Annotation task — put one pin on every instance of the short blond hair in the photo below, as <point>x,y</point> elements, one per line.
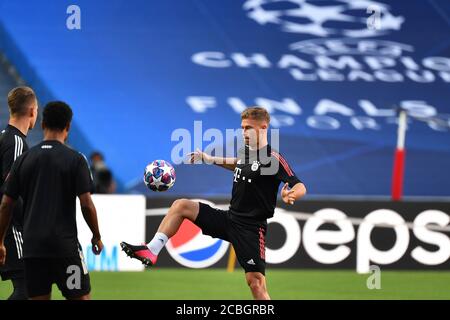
<point>256,113</point>
<point>19,100</point>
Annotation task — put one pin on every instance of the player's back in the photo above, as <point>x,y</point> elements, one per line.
<point>46,177</point>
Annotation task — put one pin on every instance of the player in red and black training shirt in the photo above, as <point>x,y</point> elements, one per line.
<point>23,111</point>
<point>49,177</point>
<point>258,172</point>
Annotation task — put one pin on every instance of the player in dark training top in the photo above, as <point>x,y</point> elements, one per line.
<point>258,172</point>
<point>49,178</point>
<point>23,111</point>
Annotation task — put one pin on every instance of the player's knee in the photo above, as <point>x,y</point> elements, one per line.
<point>180,206</point>
<point>256,284</point>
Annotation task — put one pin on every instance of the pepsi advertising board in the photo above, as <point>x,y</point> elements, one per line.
<point>326,235</point>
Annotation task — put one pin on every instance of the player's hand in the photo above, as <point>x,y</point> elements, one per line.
<point>287,194</point>
<point>199,156</point>
<point>2,254</point>
<point>97,246</point>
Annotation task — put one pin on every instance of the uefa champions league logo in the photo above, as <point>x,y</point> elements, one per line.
<point>345,18</point>
<point>331,41</point>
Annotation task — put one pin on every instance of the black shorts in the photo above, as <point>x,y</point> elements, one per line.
<point>245,234</point>
<point>70,275</point>
<point>13,267</point>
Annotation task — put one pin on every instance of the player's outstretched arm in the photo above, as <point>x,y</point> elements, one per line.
<point>289,196</point>
<point>199,156</point>
<point>90,216</point>
<point>6,208</point>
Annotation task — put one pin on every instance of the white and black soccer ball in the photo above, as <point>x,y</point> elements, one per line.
<point>159,176</point>
<point>326,18</point>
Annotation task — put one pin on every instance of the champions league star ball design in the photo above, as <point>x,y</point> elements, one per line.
<point>325,18</point>
<point>159,175</point>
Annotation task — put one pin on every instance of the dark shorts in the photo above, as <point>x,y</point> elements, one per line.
<point>246,235</point>
<point>70,274</point>
<point>13,267</point>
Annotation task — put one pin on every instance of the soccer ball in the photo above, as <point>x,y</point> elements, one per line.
<point>159,176</point>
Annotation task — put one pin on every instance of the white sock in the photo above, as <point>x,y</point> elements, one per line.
<point>158,242</point>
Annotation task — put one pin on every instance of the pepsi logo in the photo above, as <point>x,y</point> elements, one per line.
<point>191,248</point>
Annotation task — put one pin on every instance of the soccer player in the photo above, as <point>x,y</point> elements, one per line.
<point>253,201</point>
<point>23,111</point>
<point>49,177</point>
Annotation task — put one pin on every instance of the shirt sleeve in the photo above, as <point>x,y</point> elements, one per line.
<point>12,182</point>
<point>10,154</point>
<point>285,173</point>
<point>84,182</point>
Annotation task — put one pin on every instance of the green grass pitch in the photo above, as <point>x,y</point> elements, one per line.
<point>282,284</point>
